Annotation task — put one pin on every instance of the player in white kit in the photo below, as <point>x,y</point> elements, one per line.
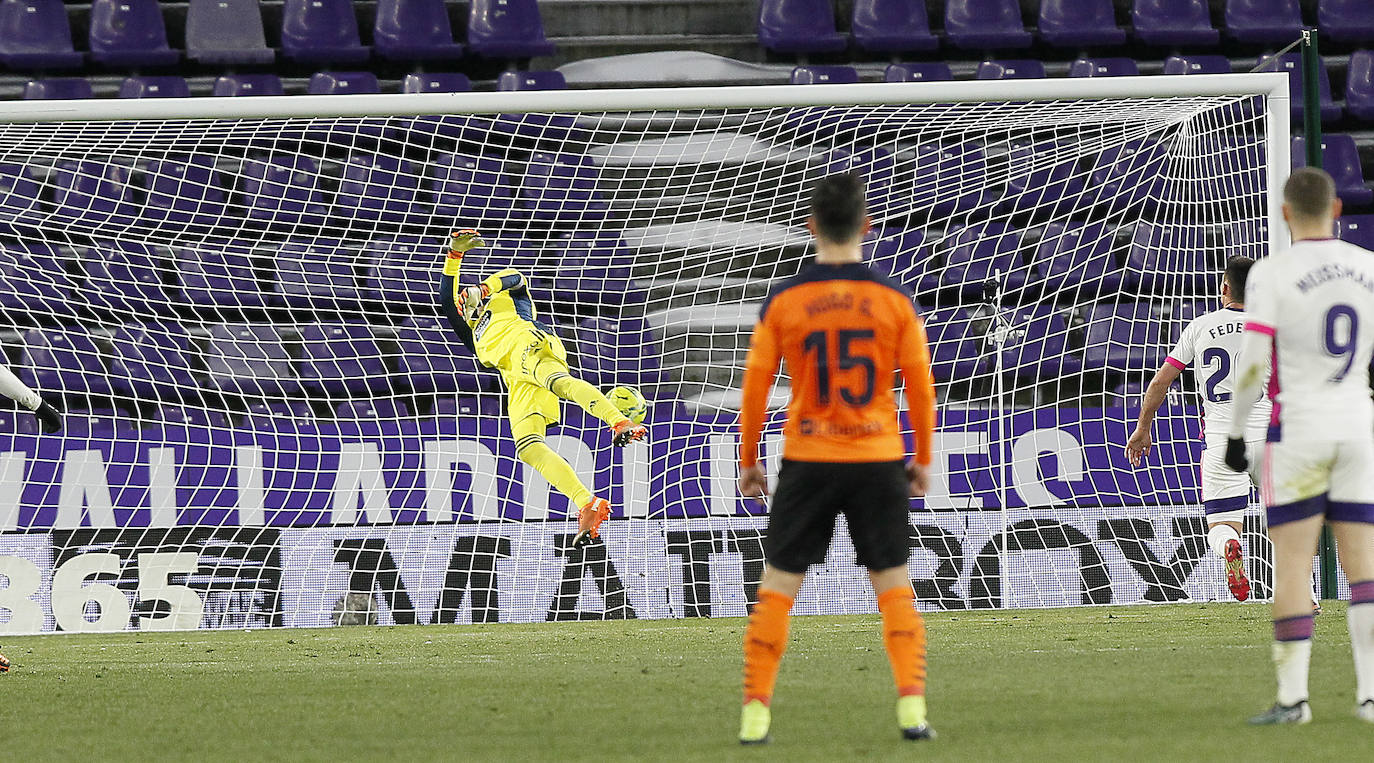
<point>1310,313</point>
<point>1211,343</point>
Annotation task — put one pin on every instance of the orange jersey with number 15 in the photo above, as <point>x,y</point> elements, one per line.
<point>843,331</point>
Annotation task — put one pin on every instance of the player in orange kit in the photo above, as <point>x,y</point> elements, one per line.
<point>843,330</point>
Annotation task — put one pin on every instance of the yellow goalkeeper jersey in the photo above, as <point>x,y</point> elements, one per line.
<point>503,327</point>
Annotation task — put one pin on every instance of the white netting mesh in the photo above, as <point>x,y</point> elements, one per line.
<point>271,425</point>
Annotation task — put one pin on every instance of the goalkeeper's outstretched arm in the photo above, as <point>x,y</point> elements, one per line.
<point>19,392</point>
<point>450,293</point>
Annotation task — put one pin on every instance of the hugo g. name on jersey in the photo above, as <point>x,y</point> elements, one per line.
<point>1210,343</point>
<point>1317,302</point>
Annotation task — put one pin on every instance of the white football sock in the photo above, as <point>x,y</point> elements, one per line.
<point>1218,536</point>
<point>1291,660</point>
<point>1360,618</point>
<point>11,387</point>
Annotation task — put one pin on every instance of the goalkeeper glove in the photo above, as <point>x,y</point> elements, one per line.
<point>463,240</point>
<point>470,301</point>
<point>1236,458</point>
<point>49,417</point>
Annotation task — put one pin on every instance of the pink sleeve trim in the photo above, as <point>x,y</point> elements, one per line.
<point>1175,362</point>
<point>1259,328</point>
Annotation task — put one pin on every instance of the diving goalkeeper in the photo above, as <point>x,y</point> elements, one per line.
<point>496,320</point>
<point>19,392</point>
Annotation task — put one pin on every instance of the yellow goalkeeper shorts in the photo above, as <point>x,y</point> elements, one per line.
<point>525,373</point>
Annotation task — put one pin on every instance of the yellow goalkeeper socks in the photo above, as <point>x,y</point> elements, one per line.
<point>589,397</point>
<point>532,450</point>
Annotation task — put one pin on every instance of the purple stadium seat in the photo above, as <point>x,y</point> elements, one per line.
<point>1011,70</point>
<point>250,359</point>
<point>275,416</point>
<point>34,34</point>
<point>1103,67</point>
<point>824,75</point>
<point>186,191</point>
<point>414,30</point>
<point>955,339</point>
<point>1346,20</point>
<point>123,280</point>
<point>608,352</point>
<point>1075,262</point>
<point>432,359</point>
<point>949,178</point>
<point>1123,337</point>
<point>1292,63</point>
<point>1357,229</point>
<point>283,190</point>
<point>1341,158</point>
<point>875,166</point>
<point>936,71</point>
<point>57,88</point>
<point>35,283</point>
<point>453,82</point>
<point>95,194</point>
<point>471,187</point>
<point>342,83</point>
<point>226,32</point>
<point>799,26</point>
<point>63,362</point>
<point>341,359</point>
<point>593,269</point>
<point>1276,21</point>
<point>453,407</point>
<point>903,255</point>
<point>1128,174</point>
<point>170,86</point>
<point>219,277</point>
<point>399,271</point>
<point>1168,260</point>
<point>19,202</point>
<point>976,254</point>
<point>129,33</point>
<point>561,187</point>
<point>1040,187</point>
<point>373,409</point>
<point>1359,85</point>
<point>985,24</point>
<point>511,29</point>
<point>513,80</point>
<point>151,361</point>
<point>233,85</point>
<point>1197,64</point>
<point>892,26</point>
<point>1173,22</point>
<point>377,187</point>
<point>316,275</point>
<point>1075,23</point>
<point>189,416</point>
<point>321,32</point>
<point>1038,345</point>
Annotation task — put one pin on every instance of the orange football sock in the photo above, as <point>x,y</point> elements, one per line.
<point>904,635</point>
<point>765,639</point>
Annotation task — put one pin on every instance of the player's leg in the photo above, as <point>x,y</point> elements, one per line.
<point>801,522</point>
<point>549,367</point>
<point>529,419</point>
<point>1351,514</point>
<point>1225,498</point>
<point>877,511</point>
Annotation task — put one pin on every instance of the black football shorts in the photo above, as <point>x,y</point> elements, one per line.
<point>873,497</point>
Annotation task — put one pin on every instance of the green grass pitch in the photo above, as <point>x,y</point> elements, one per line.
<point>1135,683</point>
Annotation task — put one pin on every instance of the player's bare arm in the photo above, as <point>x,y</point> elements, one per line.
<point>1138,445</point>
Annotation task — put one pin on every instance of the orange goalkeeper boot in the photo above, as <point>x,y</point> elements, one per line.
<point>1235,571</point>
<point>589,521</point>
<point>627,431</point>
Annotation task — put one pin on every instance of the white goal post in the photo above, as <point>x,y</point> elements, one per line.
<point>269,423</point>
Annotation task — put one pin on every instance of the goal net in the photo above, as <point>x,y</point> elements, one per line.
<point>269,424</point>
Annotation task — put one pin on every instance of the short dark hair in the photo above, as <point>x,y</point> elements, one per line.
<point>837,206</point>
<point>1237,271</point>
<point>1309,192</point>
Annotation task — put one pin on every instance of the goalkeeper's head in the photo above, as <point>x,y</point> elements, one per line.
<point>839,218</point>
<point>1310,204</point>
